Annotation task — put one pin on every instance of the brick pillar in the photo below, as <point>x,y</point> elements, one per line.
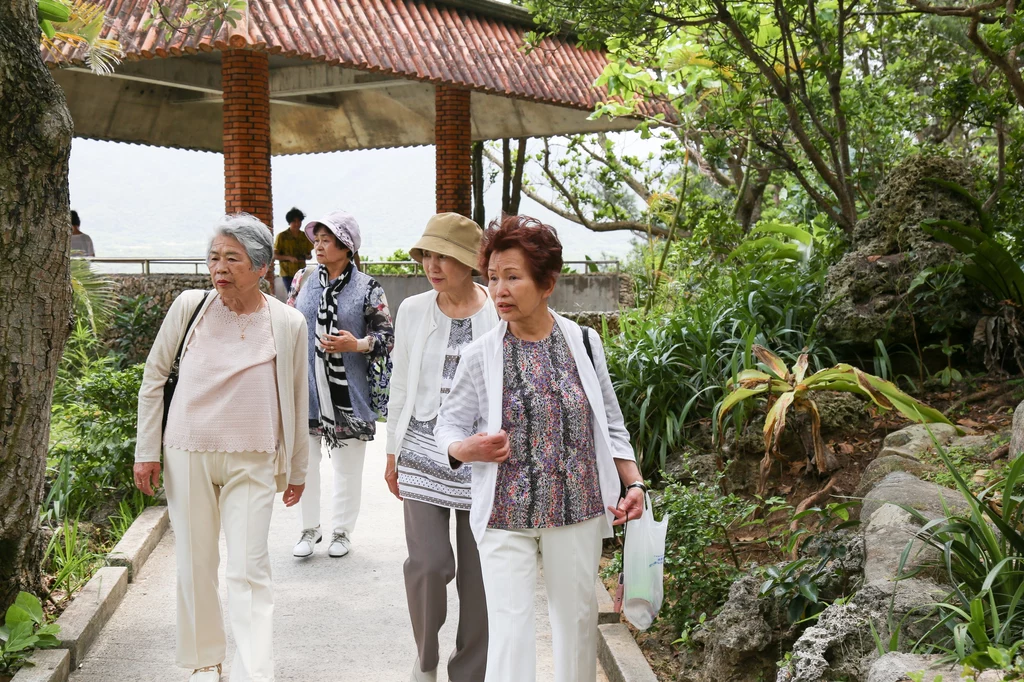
<point>245,77</point>
<point>453,143</point>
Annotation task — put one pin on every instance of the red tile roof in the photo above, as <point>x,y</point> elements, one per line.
<point>472,43</point>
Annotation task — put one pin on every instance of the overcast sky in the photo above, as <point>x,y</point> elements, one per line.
<point>148,202</point>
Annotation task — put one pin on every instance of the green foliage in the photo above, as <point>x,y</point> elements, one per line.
<point>398,263</point>
<point>93,295</point>
<point>24,630</point>
<point>991,264</point>
<point>784,388</point>
<point>670,366</point>
<point>699,565</point>
<point>982,554</point>
<point>70,559</point>
<point>94,445</point>
<point>133,329</point>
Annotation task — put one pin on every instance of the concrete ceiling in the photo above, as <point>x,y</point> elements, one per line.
<point>315,107</point>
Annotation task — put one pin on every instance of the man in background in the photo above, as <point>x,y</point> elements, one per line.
<point>81,243</point>
<point>292,248</point>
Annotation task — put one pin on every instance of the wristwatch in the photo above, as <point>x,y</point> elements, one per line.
<point>637,484</point>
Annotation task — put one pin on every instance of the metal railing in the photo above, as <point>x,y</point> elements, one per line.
<point>147,263</point>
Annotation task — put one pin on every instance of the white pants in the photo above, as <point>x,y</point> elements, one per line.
<point>204,488</point>
<point>509,562</point>
<point>347,461</point>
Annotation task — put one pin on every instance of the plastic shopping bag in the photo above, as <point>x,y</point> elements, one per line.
<point>643,562</point>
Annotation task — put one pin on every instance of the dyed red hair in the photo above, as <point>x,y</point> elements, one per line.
<point>539,243</point>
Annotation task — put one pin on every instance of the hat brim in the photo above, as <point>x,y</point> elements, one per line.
<point>446,248</point>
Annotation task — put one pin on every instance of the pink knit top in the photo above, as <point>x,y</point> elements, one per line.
<point>226,400</point>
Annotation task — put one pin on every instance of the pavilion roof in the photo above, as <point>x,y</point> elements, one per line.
<point>476,44</point>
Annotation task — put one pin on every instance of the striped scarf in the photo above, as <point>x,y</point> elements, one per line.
<point>331,383</point>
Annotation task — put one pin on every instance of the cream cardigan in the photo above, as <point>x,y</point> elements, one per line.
<point>477,394</point>
<point>414,322</point>
<point>290,336</point>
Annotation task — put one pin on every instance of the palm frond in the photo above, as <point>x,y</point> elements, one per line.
<point>94,297</point>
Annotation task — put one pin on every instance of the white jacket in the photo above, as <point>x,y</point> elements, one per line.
<point>414,323</point>
<point>477,394</point>
<point>289,328</point>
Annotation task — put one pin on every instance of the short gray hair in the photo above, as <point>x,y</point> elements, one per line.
<point>251,233</point>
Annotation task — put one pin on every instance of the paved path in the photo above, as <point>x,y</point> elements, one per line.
<point>336,620</point>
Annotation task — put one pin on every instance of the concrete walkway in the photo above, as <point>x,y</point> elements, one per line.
<point>336,620</point>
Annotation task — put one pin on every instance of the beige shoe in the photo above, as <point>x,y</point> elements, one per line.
<point>210,673</point>
<point>420,676</point>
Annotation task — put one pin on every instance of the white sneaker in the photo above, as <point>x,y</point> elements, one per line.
<point>340,545</point>
<point>210,673</point>
<point>304,547</point>
<point>420,676</point>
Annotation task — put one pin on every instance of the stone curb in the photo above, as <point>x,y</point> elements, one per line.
<point>49,665</point>
<point>81,623</point>
<point>617,651</point>
<point>90,609</point>
<point>139,542</point>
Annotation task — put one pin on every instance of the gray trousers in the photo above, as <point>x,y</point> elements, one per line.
<point>428,570</point>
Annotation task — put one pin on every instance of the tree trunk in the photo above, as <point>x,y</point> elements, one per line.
<point>35,307</point>
<point>516,193</point>
<point>479,215</point>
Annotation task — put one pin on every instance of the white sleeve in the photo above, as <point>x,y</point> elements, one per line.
<point>465,405</point>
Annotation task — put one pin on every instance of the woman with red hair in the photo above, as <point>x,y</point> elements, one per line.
<point>532,407</point>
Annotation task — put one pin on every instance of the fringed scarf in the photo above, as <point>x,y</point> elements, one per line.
<point>331,383</point>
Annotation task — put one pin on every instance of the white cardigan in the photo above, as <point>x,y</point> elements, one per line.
<point>289,328</point>
<point>414,323</point>
<point>477,394</point>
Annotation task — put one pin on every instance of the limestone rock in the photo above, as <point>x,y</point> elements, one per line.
<point>840,411</point>
<point>894,666</point>
<point>742,642</point>
<point>880,467</point>
<point>886,535</point>
<point>900,487</point>
<point>916,439</point>
<point>890,249</point>
<point>841,646</point>
<point>1017,435</point>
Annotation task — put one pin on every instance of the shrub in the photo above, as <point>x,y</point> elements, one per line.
<point>133,329</point>
<point>24,630</point>
<point>95,445</point>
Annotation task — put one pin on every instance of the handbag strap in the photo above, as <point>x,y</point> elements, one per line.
<point>191,321</point>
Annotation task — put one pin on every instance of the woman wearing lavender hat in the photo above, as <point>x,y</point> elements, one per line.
<point>350,341</point>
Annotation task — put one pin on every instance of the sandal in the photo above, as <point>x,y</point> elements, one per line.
<point>210,673</point>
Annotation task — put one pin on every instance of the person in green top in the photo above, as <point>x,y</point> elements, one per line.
<point>292,248</point>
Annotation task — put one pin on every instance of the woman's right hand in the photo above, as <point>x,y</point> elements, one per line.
<point>391,476</point>
<point>482,447</point>
<point>147,477</point>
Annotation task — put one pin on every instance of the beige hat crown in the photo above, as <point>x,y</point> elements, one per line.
<point>450,234</point>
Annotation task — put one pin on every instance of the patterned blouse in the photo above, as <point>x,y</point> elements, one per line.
<point>550,478</point>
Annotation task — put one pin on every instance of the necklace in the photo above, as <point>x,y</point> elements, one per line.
<point>248,320</point>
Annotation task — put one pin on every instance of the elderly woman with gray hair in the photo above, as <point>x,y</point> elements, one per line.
<point>234,361</point>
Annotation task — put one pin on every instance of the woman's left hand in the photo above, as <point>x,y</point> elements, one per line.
<point>342,342</point>
<point>630,508</point>
<point>292,494</point>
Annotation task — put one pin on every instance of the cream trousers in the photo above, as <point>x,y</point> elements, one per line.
<point>509,561</point>
<point>347,462</point>
<point>204,489</point>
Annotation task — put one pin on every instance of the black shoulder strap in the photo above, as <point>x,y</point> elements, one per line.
<point>191,321</point>
<point>586,345</point>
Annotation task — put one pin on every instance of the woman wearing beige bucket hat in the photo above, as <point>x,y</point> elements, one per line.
<point>431,331</point>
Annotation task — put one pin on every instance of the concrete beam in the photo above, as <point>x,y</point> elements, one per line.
<point>318,79</point>
<point>182,74</point>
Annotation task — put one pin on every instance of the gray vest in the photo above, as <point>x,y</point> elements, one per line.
<point>351,318</point>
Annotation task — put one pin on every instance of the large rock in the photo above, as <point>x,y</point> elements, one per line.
<point>743,641</point>
<point>917,439</point>
<point>869,284</point>
<point>1017,435</point>
<point>840,646</point>
<point>894,666</point>
<point>901,488</point>
<point>880,467</point>
<point>886,535</point>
